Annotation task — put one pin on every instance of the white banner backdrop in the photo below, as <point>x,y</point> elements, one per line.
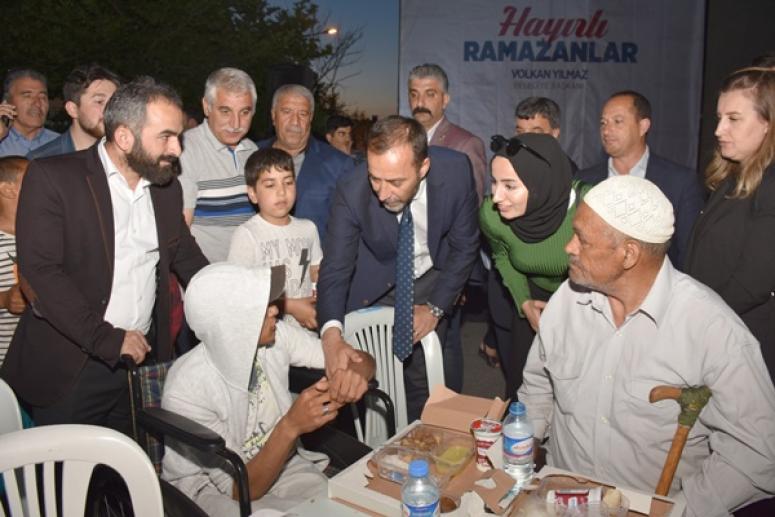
<point>572,51</point>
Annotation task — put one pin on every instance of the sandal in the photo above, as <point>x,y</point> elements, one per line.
<point>490,355</point>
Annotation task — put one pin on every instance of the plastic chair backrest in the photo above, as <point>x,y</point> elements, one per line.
<point>10,415</point>
<point>371,330</point>
<point>79,448</point>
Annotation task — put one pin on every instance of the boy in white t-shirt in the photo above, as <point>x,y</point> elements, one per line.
<point>273,237</point>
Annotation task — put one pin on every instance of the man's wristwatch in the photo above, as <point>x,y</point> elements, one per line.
<point>437,312</point>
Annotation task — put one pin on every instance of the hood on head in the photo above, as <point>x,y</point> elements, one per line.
<point>225,305</point>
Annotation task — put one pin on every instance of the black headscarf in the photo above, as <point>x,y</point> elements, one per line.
<point>548,185</point>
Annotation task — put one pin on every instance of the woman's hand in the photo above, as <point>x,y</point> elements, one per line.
<point>532,310</point>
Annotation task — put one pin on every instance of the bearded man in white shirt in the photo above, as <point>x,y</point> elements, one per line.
<point>98,233</point>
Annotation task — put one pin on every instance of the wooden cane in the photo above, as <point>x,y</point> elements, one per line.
<point>691,400</point>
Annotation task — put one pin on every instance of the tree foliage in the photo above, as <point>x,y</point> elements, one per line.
<point>178,42</point>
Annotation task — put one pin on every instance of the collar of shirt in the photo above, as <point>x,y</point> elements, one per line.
<point>638,170</point>
<point>15,136</point>
<point>111,169</point>
<point>654,306</point>
<point>432,130</point>
<point>217,144</point>
<point>298,162</point>
<point>418,202</point>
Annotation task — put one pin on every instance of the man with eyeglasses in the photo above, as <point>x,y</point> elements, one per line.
<point>403,232</point>
<point>624,124</point>
<point>23,112</point>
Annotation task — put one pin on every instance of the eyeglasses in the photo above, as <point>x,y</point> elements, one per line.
<point>513,146</point>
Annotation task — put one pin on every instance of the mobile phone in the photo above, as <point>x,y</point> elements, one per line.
<point>6,120</point>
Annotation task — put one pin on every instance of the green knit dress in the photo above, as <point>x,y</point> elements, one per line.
<point>545,263</point>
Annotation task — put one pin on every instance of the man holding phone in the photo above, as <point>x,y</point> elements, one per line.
<point>23,112</point>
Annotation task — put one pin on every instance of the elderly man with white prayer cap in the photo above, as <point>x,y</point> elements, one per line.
<point>627,321</point>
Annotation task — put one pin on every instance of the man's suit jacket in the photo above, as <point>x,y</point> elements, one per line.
<point>681,186</point>
<point>359,258</point>
<point>65,247</point>
<point>323,166</point>
<point>455,137</point>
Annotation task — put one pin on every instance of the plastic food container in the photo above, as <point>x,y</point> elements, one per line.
<point>446,452</point>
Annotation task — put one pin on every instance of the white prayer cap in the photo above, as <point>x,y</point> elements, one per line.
<point>634,206</point>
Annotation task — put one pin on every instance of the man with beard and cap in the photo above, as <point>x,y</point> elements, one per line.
<point>23,112</point>
<point>86,92</point>
<point>628,321</point>
<point>527,222</point>
<point>236,383</point>
<point>98,233</point>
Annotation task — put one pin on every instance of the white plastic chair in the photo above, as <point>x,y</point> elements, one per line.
<point>10,415</point>
<point>79,448</point>
<point>371,330</point>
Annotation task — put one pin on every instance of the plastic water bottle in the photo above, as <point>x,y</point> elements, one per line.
<point>419,494</point>
<point>518,445</point>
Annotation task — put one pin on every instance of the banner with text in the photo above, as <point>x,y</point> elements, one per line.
<point>574,52</point>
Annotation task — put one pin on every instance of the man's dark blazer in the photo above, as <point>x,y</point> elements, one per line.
<point>360,252</point>
<point>322,167</point>
<point>65,248</point>
<point>681,186</point>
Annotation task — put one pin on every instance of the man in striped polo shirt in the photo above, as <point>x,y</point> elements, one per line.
<point>215,199</point>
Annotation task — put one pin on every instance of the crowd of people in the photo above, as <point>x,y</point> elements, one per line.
<point>602,281</point>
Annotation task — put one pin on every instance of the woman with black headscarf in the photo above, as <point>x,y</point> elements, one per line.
<point>528,221</point>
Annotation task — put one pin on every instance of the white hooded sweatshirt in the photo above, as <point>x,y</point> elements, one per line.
<point>225,305</point>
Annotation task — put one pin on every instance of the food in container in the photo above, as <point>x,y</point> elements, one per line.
<point>446,452</point>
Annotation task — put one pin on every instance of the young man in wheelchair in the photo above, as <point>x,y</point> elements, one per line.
<point>236,383</point>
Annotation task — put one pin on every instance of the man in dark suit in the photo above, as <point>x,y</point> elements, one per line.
<point>624,124</point>
<point>318,165</point>
<point>361,251</point>
<point>98,233</point>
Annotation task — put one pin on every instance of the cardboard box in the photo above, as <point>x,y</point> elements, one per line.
<point>357,485</point>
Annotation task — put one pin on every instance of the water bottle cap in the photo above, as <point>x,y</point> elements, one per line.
<point>517,408</point>
<point>418,468</point>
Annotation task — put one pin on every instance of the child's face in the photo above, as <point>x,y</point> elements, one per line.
<point>275,194</point>
<point>268,328</point>
<point>10,190</point>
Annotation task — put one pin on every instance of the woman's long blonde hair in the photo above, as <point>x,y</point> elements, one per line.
<point>758,84</point>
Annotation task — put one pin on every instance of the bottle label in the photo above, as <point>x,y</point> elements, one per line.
<point>427,510</point>
<point>518,449</point>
